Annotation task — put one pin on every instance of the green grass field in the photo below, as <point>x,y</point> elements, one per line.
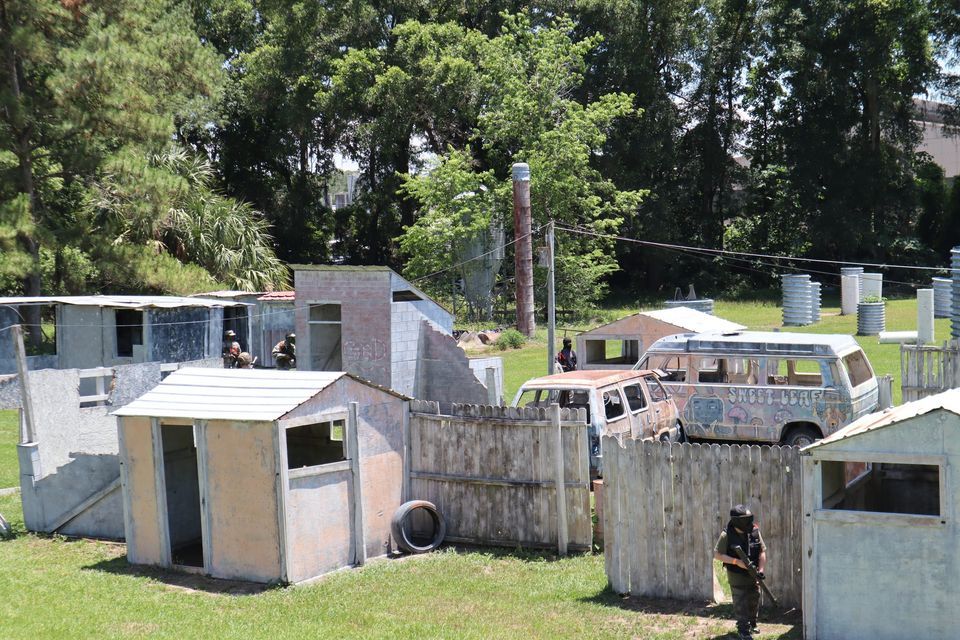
<point>58,588</point>
<point>9,432</point>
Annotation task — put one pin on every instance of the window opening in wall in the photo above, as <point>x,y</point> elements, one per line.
<point>95,386</point>
<point>129,331</point>
<point>39,340</point>
<point>236,319</point>
<point>881,487</point>
<point>406,296</point>
<point>315,444</point>
<point>324,321</point>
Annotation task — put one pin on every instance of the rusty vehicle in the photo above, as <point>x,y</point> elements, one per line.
<point>766,387</point>
<point>620,403</point>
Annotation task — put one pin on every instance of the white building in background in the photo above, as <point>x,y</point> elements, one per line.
<point>943,147</point>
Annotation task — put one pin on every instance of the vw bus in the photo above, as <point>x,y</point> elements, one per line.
<point>620,403</point>
<point>770,387</point>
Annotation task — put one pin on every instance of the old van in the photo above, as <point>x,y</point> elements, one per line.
<point>772,387</point>
<point>629,404</point>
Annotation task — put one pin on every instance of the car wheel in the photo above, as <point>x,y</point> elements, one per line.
<point>801,437</point>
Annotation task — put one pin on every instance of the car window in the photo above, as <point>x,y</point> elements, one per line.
<point>858,368</point>
<point>657,392</point>
<point>675,367</point>
<point>797,372</point>
<point>635,398</point>
<point>613,405</point>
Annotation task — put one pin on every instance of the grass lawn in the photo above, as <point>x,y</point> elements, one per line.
<point>57,588</point>
<point>9,434</point>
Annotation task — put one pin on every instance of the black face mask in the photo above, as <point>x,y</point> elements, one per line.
<point>743,523</point>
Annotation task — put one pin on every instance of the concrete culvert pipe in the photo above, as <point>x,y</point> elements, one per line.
<point>398,526</point>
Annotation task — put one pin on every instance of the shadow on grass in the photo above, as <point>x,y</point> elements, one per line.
<point>181,580</point>
<point>700,609</point>
<point>527,554</point>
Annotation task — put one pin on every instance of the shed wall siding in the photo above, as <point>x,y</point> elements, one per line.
<point>318,525</point>
<point>241,501</point>
<point>380,415</point>
<point>143,534</point>
<point>883,579</point>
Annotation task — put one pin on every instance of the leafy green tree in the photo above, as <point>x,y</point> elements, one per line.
<point>79,85</point>
<point>168,206</point>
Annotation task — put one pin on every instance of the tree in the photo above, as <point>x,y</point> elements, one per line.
<point>527,77</point>
<point>79,85</point>
<point>168,208</point>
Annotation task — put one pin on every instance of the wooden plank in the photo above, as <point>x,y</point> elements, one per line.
<point>353,443</point>
<point>611,516</point>
<point>637,536</point>
<point>652,528</point>
<point>692,477</point>
<point>771,522</point>
<point>668,567</point>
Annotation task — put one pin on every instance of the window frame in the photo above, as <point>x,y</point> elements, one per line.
<point>623,404</point>
<point>316,469</point>
<point>643,394</point>
<point>880,517</point>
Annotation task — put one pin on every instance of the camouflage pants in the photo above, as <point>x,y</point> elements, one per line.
<point>746,604</point>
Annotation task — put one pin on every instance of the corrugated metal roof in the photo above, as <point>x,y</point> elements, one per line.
<point>230,394</point>
<point>948,400</point>
<point>230,293</point>
<point>279,296</point>
<point>124,302</point>
<point>693,320</point>
<point>251,395</point>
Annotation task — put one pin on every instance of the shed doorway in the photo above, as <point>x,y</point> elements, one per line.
<point>182,481</point>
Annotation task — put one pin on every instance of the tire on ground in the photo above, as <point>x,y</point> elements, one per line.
<point>402,536</point>
<point>801,436</point>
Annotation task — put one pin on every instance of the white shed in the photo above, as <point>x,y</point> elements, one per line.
<point>635,333</point>
<point>880,534</point>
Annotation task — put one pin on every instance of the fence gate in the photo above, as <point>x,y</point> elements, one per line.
<point>493,473</point>
<point>666,504</point>
<point>926,370</point>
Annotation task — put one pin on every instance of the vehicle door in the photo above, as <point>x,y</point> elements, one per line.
<point>613,408</point>
<point>639,407</point>
<point>803,391</point>
<point>857,384</point>
<point>666,416</point>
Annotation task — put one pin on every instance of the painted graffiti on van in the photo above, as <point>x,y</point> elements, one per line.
<point>771,397</point>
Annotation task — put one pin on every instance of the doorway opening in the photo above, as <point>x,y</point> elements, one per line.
<point>237,319</point>
<point>182,480</point>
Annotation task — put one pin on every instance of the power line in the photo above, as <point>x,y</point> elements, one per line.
<point>482,255</point>
<point>154,324</point>
<point>727,252</point>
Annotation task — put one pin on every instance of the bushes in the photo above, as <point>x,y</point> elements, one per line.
<point>510,339</point>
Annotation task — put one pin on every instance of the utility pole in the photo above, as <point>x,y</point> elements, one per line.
<point>551,302</point>
<point>523,249</point>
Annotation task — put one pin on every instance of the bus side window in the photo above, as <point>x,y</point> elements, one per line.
<point>675,368</point>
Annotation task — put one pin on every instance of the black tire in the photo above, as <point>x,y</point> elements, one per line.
<point>801,436</point>
<point>401,535</point>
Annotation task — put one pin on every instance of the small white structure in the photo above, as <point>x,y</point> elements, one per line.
<point>881,500</point>
<point>261,475</point>
<point>638,331</point>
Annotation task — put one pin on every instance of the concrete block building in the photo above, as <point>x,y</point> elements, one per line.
<point>103,331</point>
<point>262,321</point>
<point>881,526</point>
<point>371,322</point>
<point>261,475</point>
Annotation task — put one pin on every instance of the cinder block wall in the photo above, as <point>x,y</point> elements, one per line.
<point>364,296</point>
<point>444,373</point>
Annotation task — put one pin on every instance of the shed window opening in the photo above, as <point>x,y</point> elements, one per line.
<point>315,444</point>
<point>129,331</point>
<point>611,351</point>
<point>40,339</point>
<point>881,487</point>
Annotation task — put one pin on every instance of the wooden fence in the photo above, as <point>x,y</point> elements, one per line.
<point>928,369</point>
<point>666,504</point>
<point>493,473</point>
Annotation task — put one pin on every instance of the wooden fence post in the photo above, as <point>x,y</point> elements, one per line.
<point>562,533</point>
<point>359,543</point>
